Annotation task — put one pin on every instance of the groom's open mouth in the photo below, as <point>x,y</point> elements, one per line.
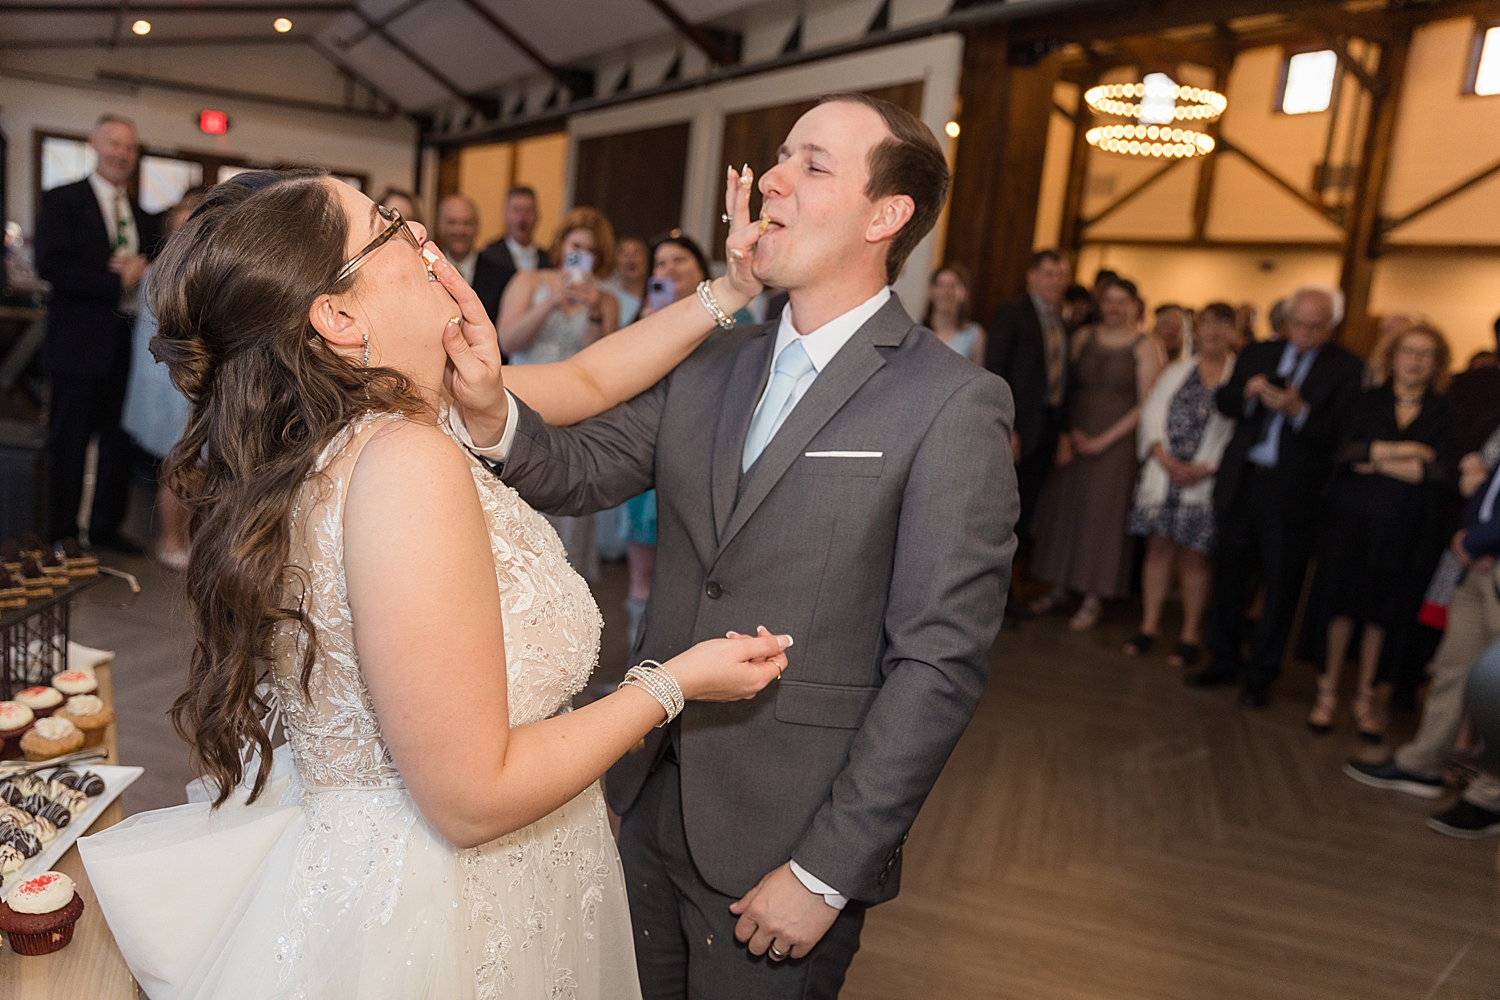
<point>769,225</point>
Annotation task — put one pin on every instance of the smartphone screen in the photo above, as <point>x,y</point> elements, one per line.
<point>577,266</point>
<point>660,293</point>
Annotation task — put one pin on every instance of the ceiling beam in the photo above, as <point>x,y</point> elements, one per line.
<point>580,83</point>
<point>380,22</point>
<point>274,100</point>
<point>489,108</point>
<point>354,74</point>
<point>163,8</point>
<point>721,47</point>
<point>187,41</point>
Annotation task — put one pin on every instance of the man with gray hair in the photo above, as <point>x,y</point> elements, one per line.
<point>1289,397</point>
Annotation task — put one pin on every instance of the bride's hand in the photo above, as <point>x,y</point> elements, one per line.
<point>472,374</point>
<point>744,233</point>
<point>730,669</point>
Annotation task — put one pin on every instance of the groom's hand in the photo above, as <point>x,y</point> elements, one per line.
<point>782,911</point>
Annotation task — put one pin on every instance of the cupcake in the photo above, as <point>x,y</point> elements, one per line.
<point>89,713</point>
<point>42,701</point>
<point>41,914</point>
<point>50,738</point>
<point>79,562</point>
<point>71,682</point>
<point>15,720</point>
<point>12,591</point>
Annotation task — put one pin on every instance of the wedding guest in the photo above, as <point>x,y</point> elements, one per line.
<point>1381,529</point>
<point>515,252</point>
<point>551,314</point>
<point>1077,307</point>
<point>1027,345</point>
<point>1081,540</point>
<point>155,411</point>
<point>1172,328</point>
<point>1289,398</point>
<point>1416,768</point>
<point>456,230</point>
<point>1475,397</point>
<point>1245,317</point>
<point>948,312</point>
<point>1181,440</point>
<point>628,283</point>
<point>92,243</point>
<point>1484,359</point>
<point>402,201</point>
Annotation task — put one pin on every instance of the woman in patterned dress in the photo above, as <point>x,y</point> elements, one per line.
<point>1181,439</point>
<point>358,573</point>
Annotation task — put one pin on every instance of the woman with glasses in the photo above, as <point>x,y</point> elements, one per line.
<point>1383,526</point>
<point>433,826</point>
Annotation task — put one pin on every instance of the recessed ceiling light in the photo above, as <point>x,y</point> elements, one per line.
<point>282,25</point>
<point>141,27</point>
<point>952,129</point>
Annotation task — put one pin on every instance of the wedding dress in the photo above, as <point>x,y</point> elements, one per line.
<point>332,885</point>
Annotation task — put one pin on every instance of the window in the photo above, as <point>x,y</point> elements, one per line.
<point>1484,70</point>
<point>65,161</point>
<point>1308,83</point>
<point>165,179</point>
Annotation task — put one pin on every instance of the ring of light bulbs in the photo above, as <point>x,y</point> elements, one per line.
<point>1160,141</point>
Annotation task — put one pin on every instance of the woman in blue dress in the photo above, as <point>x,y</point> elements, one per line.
<point>948,312</point>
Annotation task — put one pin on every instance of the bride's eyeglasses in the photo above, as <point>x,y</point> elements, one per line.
<point>397,227</point>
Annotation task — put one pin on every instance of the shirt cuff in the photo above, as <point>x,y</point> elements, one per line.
<point>830,895</point>
<point>498,452</point>
<point>1298,422</point>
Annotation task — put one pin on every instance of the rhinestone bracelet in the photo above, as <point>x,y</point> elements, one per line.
<point>706,296</point>
<point>654,679</point>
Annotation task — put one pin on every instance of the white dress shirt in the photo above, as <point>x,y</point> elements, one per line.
<point>466,266</point>
<point>524,257</point>
<point>119,219</point>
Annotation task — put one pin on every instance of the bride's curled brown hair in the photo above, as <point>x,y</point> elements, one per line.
<point>232,293</point>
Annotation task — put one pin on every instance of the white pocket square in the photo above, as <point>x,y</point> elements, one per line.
<point>843,454</point>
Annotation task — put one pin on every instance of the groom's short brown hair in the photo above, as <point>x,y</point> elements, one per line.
<point>909,162</point>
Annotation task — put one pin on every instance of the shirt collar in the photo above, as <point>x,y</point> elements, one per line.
<point>518,248</point>
<point>824,342</point>
<point>103,188</point>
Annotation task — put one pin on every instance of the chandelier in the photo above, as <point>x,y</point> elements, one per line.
<point>1158,106</point>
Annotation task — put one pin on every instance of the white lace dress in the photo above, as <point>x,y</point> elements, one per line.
<point>332,885</point>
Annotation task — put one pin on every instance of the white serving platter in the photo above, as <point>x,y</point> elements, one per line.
<point>116,780</point>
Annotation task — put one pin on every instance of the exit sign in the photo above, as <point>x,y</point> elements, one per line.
<point>213,122</point>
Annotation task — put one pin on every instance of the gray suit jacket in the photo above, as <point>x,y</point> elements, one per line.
<point>890,570</point>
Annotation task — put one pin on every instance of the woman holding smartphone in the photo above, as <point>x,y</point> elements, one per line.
<point>550,315</point>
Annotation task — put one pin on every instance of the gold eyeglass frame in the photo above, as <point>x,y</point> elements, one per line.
<point>397,227</point>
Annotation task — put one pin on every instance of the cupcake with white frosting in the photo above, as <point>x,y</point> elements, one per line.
<point>89,713</point>
<point>50,738</point>
<point>71,682</point>
<point>42,701</point>
<point>41,913</point>
<point>15,720</point>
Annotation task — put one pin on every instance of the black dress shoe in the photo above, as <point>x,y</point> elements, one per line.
<point>116,542</point>
<point>1211,677</point>
<point>1251,698</point>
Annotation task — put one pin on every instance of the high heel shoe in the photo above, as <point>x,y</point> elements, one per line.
<point>1367,716</point>
<point>1320,719</point>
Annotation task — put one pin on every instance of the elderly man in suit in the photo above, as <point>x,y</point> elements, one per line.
<point>1290,397</point>
<point>455,232</point>
<point>517,251</point>
<point>92,242</point>
<point>839,474</point>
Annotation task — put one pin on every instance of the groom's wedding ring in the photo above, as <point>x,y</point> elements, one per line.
<point>776,955</point>
<point>724,218</point>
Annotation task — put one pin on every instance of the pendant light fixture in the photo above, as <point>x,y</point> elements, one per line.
<point>1160,108</point>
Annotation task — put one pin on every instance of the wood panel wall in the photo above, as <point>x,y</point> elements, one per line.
<point>754,136</point>
<point>634,178</point>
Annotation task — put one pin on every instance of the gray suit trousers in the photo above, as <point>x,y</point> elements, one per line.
<point>684,933</point>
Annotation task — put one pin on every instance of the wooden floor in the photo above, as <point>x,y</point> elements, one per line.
<point>1101,832</point>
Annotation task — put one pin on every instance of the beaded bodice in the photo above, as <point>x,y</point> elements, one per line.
<point>551,622</point>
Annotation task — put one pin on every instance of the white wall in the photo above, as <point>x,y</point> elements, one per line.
<point>936,61</point>
<point>384,150</point>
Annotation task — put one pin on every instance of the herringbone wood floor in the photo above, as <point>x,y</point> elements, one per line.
<point>1101,833</point>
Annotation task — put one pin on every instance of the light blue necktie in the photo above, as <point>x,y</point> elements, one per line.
<point>791,367</point>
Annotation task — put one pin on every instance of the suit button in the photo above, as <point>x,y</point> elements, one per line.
<point>713,590</point>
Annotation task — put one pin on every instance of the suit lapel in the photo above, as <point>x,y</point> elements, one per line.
<point>95,214</point>
<point>850,368</point>
<point>752,368</point>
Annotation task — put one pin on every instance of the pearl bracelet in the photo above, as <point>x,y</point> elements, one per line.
<point>654,679</point>
<point>706,296</point>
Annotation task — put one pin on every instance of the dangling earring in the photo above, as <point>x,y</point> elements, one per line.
<point>367,350</point>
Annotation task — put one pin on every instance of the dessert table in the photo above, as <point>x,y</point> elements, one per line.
<point>90,968</point>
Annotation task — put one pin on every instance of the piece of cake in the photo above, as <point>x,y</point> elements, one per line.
<point>42,701</point>
<point>49,738</point>
<point>52,564</point>
<point>37,583</point>
<point>12,590</point>
<point>41,913</point>
<point>10,555</point>
<point>79,562</point>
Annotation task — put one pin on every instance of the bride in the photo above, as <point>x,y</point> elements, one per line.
<point>433,826</point>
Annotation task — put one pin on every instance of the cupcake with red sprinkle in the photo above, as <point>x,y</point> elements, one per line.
<point>41,913</point>
<point>42,701</point>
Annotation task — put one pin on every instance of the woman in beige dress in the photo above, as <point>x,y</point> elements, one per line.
<point>1081,541</point>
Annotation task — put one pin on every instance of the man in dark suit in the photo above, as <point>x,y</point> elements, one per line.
<point>1290,397</point>
<point>517,251</point>
<point>838,474</point>
<point>1028,347</point>
<point>455,232</point>
<point>92,243</point>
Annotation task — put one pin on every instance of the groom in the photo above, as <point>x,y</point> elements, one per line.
<point>837,474</point>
